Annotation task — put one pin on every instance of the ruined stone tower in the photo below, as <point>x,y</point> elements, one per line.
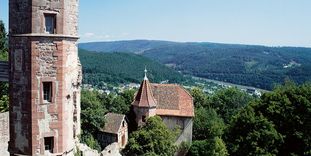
<point>45,77</point>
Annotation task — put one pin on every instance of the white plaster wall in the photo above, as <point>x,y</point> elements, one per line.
<point>185,125</point>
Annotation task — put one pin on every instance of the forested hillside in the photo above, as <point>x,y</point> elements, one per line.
<point>257,66</point>
<point>123,67</point>
<point>134,46</point>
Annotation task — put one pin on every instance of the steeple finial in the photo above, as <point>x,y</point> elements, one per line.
<point>145,78</point>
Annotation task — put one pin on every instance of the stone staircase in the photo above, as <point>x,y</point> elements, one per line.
<point>4,71</point>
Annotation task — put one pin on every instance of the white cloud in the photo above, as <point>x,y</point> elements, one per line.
<point>88,35</point>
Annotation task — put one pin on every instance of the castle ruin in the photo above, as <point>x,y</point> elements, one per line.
<point>45,77</point>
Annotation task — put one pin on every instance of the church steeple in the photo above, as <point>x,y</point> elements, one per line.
<point>144,96</point>
<point>144,104</point>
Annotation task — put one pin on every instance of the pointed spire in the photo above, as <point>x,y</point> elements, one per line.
<point>144,96</point>
<point>145,78</point>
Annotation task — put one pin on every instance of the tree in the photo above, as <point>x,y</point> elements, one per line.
<point>116,104</point>
<point>251,134</point>
<point>210,147</point>
<point>154,138</point>
<point>128,96</point>
<point>208,128</point>
<point>92,117</point>
<point>227,102</point>
<point>207,124</point>
<point>3,43</point>
<point>4,87</point>
<point>90,141</point>
<point>4,103</point>
<point>200,99</point>
<point>288,107</point>
<point>92,111</point>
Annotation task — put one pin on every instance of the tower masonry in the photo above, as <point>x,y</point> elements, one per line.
<point>45,77</point>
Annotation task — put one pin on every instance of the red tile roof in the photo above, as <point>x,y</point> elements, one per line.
<point>169,99</point>
<point>172,100</point>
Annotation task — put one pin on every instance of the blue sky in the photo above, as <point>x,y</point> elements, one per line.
<point>263,22</point>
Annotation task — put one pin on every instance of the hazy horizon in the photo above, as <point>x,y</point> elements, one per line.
<point>268,23</point>
<point>194,42</point>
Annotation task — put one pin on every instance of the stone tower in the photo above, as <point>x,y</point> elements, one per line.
<point>45,77</point>
<point>144,104</point>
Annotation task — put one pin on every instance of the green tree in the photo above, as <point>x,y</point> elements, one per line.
<point>3,43</point>
<point>288,107</point>
<point>154,138</point>
<point>116,104</point>
<point>207,124</point>
<point>128,96</point>
<point>90,141</point>
<point>251,134</point>
<point>92,111</point>
<point>4,87</point>
<point>210,147</point>
<point>227,102</point>
<point>200,99</point>
<point>92,117</point>
<point>4,103</point>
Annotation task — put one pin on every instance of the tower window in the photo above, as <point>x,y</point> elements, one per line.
<point>144,118</point>
<point>47,91</point>
<point>50,23</point>
<point>49,144</point>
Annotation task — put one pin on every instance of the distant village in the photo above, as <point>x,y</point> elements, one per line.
<point>207,86</point>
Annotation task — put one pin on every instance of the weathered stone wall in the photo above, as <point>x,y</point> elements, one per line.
<point>20,95</point>
<point>111,150</point>
<point>57,62</point>
<point>71,17</point>
<point>185,125</point>
<point>4,133</point>
<point>37,57</point>
<point>41,7</point>
<point>20,16</point>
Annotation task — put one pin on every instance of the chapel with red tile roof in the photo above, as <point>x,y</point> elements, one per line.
<point>169,101</point>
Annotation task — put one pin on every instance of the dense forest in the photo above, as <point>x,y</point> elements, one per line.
<point>257,66</point>
<point>123,67</point>
<point>229,122</point>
